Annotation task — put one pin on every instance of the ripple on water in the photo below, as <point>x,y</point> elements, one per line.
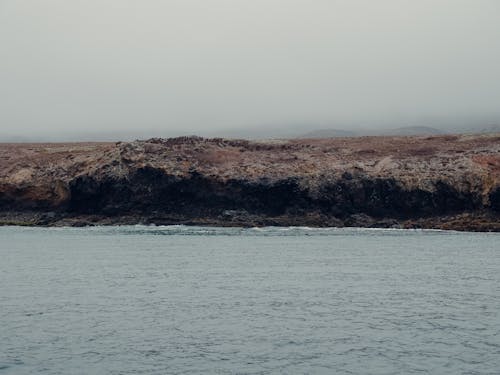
<point>176,299</point>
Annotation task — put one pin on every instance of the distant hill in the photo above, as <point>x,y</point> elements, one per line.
<point>403,131</point>
<point>252,133</point>
<point>411,130</point>
<point>491,129</point>
<point>329,133</point>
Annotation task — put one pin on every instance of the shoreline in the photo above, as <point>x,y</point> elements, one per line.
<point>447,182</point>
<point>463,222</point>
<point>223,230</point>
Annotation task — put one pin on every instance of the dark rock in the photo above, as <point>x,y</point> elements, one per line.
<point>359,220</point>
<point>495,200</point>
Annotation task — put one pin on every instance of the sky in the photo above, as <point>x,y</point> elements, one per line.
<point>198,66</point>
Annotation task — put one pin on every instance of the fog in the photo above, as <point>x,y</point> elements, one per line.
<point>119,68</point>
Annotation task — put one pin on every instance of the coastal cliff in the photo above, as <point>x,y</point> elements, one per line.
<point>444,182</point>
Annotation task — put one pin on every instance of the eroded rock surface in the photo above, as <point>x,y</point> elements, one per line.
<point>450,182</point>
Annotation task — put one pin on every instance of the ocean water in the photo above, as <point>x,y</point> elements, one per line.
<point>188,300</point>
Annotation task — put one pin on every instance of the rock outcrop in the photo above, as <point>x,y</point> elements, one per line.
<point>449,182</point>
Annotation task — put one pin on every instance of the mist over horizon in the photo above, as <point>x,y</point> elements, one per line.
<point>120,69</point>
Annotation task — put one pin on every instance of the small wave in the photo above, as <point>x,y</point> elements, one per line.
<point>189,230</point>
<point>254,231</point>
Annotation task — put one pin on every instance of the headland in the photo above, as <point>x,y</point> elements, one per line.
<point>441,182</point>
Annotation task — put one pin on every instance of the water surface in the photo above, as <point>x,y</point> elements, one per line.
<point>188,300</point>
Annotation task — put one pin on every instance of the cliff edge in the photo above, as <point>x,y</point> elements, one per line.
<point>444,182</point>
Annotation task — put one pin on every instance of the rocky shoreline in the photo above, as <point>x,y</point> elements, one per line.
<point>471,222</point>
<point>438,182</point>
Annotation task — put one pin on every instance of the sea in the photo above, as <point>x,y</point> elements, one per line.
<point>197,300</point>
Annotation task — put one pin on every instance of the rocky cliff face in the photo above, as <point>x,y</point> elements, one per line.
<point>450,182</point>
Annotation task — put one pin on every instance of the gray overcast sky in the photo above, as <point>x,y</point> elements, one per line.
<point>106,65</point>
